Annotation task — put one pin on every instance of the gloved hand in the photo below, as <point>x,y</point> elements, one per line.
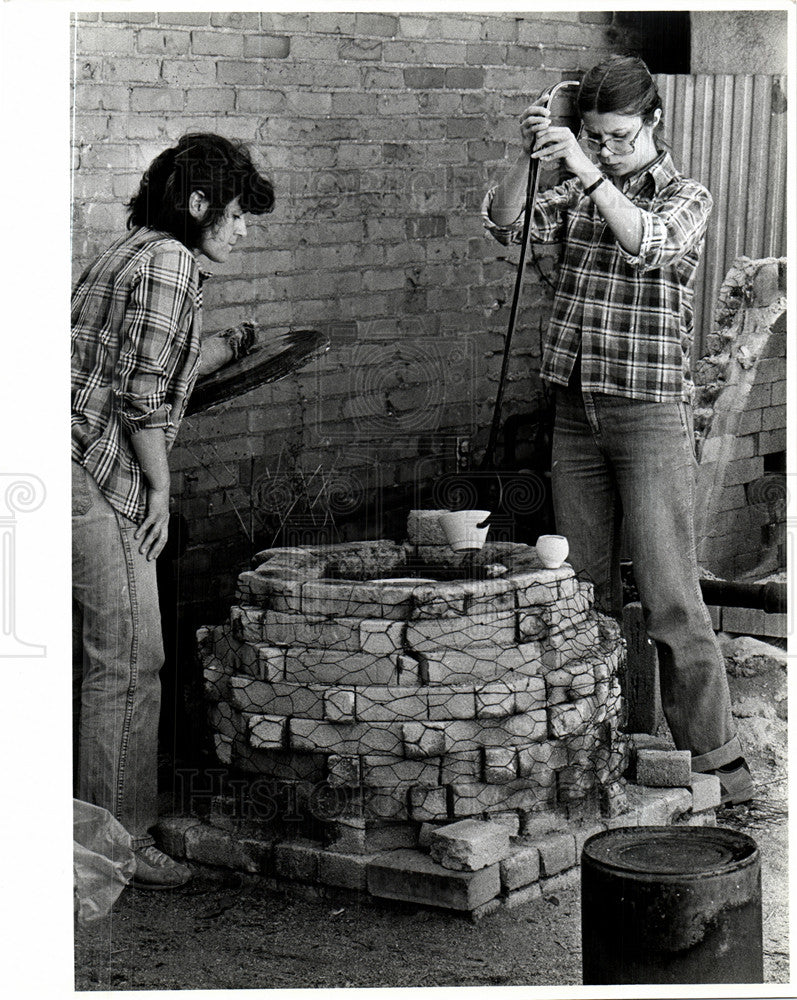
<point>241,339</point>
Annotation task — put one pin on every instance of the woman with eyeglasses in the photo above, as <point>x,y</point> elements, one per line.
<point>617,353</point>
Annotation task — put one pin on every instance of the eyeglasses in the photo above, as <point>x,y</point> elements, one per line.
<point>619,145</point>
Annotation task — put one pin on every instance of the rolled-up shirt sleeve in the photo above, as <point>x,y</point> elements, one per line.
<point>675,224</point>
<point>548,220</point>
<point>157,317</point>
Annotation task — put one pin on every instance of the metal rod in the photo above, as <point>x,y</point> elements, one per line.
<point>532,184</point>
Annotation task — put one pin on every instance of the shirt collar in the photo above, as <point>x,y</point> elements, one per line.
<point>203,272</point>
<point>661,171</point>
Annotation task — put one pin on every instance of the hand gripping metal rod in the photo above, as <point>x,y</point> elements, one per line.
<point>532,185</point>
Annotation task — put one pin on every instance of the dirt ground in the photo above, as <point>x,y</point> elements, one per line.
<point>231,931</point>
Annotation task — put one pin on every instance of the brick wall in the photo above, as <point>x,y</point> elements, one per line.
<point>381,133</point>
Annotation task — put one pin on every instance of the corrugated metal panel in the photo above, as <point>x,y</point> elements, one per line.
<point>729,132</point>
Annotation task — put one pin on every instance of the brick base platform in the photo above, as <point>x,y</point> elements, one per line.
<point>494,864</point>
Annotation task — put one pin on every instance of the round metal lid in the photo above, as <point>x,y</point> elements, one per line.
<point>667,850</point>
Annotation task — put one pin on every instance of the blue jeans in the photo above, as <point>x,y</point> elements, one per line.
<point>117,656</point>
<point>622,465</point>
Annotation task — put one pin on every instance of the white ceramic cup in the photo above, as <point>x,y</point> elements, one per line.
<point>460,529</point>
<point>552,550</point>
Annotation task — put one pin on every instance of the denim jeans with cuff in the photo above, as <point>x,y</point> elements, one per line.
<point>117,656</point>
<point>623,465</point>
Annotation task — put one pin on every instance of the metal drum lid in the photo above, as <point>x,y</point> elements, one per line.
<point>663,851</point>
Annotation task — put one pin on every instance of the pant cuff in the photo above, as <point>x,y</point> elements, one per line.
<point>716,758</point>
<point>146,841</point>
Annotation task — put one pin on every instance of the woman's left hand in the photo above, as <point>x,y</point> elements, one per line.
<point>559,143</point>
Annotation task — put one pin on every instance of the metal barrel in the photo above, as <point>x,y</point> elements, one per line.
<point>671,905</point>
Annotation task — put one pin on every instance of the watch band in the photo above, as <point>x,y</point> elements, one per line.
<point>595,185</point>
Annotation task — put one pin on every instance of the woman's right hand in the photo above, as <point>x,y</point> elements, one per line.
<point>534,121</point>
<point>154,529</point>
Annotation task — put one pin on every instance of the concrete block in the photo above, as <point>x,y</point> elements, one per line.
<point>482,662</point>
<point>706,792</point>
<point>340,667</point>
<point>462,765</point>
<point>343,770</point>
<point>259,855</point>
<point>415,878</point>
<point>521,867</point>
<point>170,834</point>
<point>384,770</point>
<point>749,621</point>
<point>356,835</point>
<point>470,845</point>
<point>664,768</point>
<point>509,819</point>
<point>572,718</point>
<point>423,739</point>
<point>472,798</point>
<point>267,731</point>
<point>658,806</point>
<point>381,637</point>
<point>538,758</point>
<point>347,871</point>
<point>345,738</point>
<point>520,897</point>
<point>500,765</point>
<point>223,745</point>
<point>472,630</point>
<point>494,701</point>
<point>210,846</point>
<point>447,702</point>
<point>423,528</point>
<point>557,852</point>
<point>297,860</point>
<point>339,705</point>
<point>390,703</point>
<point>427,829</point>
<point>278,698</point>
<point>428,802</point>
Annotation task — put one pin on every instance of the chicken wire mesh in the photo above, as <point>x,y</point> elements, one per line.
<point>380,683</point>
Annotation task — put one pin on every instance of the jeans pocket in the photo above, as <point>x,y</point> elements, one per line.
<point>82,500</point>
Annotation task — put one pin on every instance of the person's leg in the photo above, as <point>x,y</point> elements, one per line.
<point>586,505</point>
<point>116,605</point>
<point>654,461</point>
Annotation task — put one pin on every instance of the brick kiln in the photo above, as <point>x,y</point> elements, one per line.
<point>375,695</point>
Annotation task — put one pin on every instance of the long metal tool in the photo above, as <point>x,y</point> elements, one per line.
<point>532,185</point>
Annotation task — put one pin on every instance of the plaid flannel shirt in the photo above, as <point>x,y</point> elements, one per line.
<point>630,315</point>
<point>136,326</point>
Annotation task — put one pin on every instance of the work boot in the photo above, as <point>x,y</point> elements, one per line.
<point>736,782</point>
<point>156,870</point>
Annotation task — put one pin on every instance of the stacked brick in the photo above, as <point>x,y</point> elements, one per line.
<point>382,131</point>
<point>418,701</point>
<point>473,866</point>
<point>740,416</point>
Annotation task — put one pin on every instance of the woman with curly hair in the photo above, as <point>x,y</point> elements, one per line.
<point>136,354</point>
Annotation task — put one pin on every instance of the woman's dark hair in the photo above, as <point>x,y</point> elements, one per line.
<point>620,85</point>
<point>220,169</point>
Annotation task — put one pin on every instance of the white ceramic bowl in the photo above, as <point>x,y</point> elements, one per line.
<point>461,531</point>
<point>552,550</point>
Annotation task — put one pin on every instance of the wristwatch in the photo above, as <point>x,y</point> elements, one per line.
<point>595,185</point>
